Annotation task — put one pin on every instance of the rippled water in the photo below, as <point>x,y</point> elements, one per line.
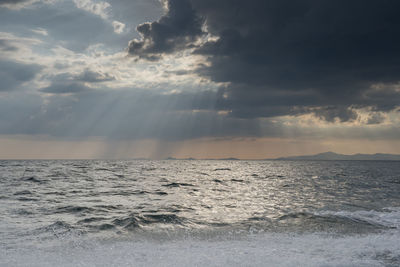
<point>243,213</point>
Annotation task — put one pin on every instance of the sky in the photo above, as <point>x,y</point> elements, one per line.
<point>248,79</point>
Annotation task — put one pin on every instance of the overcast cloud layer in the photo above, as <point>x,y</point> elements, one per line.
<point>184,69</point>
<point>288,57</point>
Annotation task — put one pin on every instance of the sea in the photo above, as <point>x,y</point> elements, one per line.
<point>199,213</point>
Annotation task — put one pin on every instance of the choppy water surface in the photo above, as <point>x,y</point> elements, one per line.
<point>169,213</point>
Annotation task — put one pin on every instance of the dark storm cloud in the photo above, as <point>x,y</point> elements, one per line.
<point>177,29</point>
<point>14,74</point>
<point>331,113</point>
<point>281,57</point>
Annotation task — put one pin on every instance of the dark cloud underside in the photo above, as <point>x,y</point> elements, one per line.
<point>142,114</point>
<point>66,83</point>
<point>12,1</point>
<point>285,57</point>
<point>177,29</point>
<point>13,74</point>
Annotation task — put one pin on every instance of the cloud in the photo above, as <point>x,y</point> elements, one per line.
<point>331,113</point>
<point>14,74</point>
<point>301,69</point>
<point>68,83</point>
<point>118,114</point>
<point>179,28</point>
<point>7,46</point>
<point>133,13</point>
<point>119,27</point>
<point>93,77</point>
<point>65,88</point>
<point>2,2</point>
<point>134,114</point>
<point>16,4</point>
<point>98,8</point>
<point>286,57</point>
<point>40,31</point>
<point>66,25</point>
<point>11,2</point>
<point>10,44</point>
<point>376,118</point>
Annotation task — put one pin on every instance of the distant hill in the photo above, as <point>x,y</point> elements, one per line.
<point>171,158</point>
<point>335,156</point>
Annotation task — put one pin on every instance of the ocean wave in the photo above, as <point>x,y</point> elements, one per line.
<point>134,221</point>
<point>23,192</point>
<point>340,222</point>
<point>73,209</point>
<point>387,217</point>
<point>32,179</point>
<point>177,184</point>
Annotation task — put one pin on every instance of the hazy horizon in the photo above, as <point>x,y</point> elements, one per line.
<point>55,157</point>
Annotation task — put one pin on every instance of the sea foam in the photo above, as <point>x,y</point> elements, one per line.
<point>271,249</point>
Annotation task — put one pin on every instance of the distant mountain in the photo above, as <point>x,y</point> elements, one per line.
<point>229,159</point>
<point>171,158</point>
<point>335,156</point>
